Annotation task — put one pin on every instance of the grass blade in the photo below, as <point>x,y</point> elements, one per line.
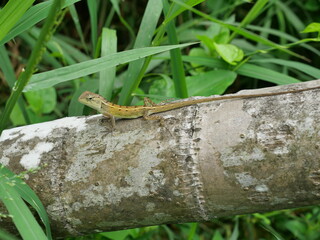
<point>115,5</point>
<point>10,77</point>
<point>29,196</point>
<point>6,236</point>
<point>265,74</point>
<point>107,76</point>
<point>51,78</point>
<point>75,18</point>
<point>93,9</point>
<point>312,71</point>
<point>11,13</point>
<point>6,67</point>
<point>246,69</point>
<point>21,215</point>
<point>176,60</point>
<point>144,37</point>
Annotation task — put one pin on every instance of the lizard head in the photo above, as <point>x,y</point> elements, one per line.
<point>91,100</point>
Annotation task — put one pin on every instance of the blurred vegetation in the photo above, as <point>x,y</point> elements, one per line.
<point>96,46</point>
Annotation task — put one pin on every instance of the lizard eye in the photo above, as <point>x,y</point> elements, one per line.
<point>89,98</point>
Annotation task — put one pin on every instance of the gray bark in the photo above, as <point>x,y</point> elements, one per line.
<point>208,160</point>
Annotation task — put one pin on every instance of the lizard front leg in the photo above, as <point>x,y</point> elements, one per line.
<point>148,102</point>
<point>113,121</point>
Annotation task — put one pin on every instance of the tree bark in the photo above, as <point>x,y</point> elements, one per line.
<point>208,160</point>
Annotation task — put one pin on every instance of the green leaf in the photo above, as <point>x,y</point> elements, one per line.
<point>119,235</point>
<point>197,52</point>
<point>42,101</point>
<point>230,53</point>
<point>16,116</point>
<point>211,82</point>
<point>298,228</point>
<point>208,42</point>
<point>217,236</point>
<point>223,36</point>
<point>162,87</point>
<point>312,27</point>
<point>11,13</point>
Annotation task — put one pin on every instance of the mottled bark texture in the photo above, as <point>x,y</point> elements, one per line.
<point>208,160</point>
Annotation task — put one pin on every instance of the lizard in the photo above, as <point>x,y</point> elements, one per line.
<point>111,110</point>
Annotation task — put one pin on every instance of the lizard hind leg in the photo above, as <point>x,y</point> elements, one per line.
<point>147,116</point>
<point>149,103</point>
<point>155,117</point>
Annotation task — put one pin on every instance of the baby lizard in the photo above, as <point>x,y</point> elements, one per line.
<point>112,110</point>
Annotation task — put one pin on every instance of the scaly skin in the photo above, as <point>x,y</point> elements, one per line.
<point>111,110</point>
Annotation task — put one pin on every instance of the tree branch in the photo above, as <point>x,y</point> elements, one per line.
<point>208,160</point>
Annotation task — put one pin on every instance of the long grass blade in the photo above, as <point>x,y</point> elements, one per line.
<point>21,215</point>
<point>29,196</point>
<point>144,37</point>
<point>176,60</point>
<point>246,69</point>
<point>75,18</point>
<point>93,9</point>
<point>11,14</point>
<point>107,76</point>
<point>51,78</point>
